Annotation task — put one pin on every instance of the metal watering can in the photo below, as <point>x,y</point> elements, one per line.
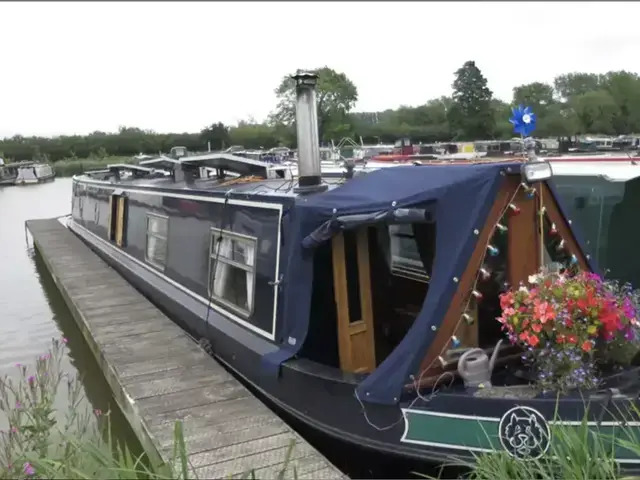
<point>475,367</point>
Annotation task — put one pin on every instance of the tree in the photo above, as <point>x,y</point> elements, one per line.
<point>596,111</point>
<point>470,115</point>
<point>336,96</point>
<point>624,88</point>
<point>217,134</point>
<point>537,95</point>
<point>574,84</point>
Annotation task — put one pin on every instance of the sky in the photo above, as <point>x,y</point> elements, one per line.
<point>74,68</point>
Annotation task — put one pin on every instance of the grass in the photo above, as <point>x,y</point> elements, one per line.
<point>68,167</point>
<point>40,444</point>
<point>577,452</point>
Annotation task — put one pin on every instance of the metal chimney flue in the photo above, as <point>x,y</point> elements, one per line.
<point>309,174</point>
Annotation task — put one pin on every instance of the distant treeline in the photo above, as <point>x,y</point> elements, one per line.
<point>576,103</point>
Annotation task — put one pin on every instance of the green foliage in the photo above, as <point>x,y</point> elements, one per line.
<point>470,116</point>
<point>336,96</point>
<point>576,103</point>
<point>40,444</point>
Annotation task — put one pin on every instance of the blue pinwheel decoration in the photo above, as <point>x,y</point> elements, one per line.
<point>523,120</point>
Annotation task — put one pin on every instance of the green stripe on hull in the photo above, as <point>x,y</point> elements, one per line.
<point>480,434</point>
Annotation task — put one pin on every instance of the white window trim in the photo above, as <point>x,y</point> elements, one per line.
<point>149,260</point>
<point>215,233</point>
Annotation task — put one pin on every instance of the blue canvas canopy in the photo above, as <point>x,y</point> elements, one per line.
<point>463,196</point>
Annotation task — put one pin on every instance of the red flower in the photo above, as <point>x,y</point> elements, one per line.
<point>587,346</point>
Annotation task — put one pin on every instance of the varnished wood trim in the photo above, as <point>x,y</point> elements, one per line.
<point>120,221</point>
<point>459,301</point>
<point>366,303</point>
<point>553,211</point>
<point>355,339</point>
<point>523,239</point>
<point>110,226</point>
<point>342,300</point>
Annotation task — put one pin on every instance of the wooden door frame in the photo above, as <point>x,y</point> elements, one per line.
<point>459,301</point>
<point>346,328</point>
<point>523,255</point>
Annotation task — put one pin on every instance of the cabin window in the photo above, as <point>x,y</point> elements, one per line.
<point>605,212</point>
<point>405,257</point>
<point>353,274</point>
<point>590,203</point>
<point>156,248</point>
<point>232,269</point>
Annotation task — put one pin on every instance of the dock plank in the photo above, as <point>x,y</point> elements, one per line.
<point>160,375</point>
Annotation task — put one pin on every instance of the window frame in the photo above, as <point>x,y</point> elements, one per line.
<point>224,303</point>
<point>147,259</point>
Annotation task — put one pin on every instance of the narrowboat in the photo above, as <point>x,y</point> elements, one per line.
<point>8,173</point>
<point>350,303</point>
<point>33,172</point>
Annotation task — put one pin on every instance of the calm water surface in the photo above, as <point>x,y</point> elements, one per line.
<point>32,312</point>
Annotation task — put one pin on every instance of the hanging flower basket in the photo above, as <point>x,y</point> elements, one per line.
<point>570,325</point>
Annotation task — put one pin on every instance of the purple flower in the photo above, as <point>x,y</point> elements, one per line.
<point>31,379</point>
<point>18,405</point>
<point>28,469</point>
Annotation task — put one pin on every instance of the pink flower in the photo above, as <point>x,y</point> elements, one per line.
<point>14,430</point>
<point>18,405</point>
<point>28,469</point>
<point>64,340</point>
<point>97,412</point>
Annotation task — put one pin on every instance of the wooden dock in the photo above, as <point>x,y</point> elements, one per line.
<point>159,374</point>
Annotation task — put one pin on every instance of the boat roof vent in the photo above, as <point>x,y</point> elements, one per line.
<point>232,163</point>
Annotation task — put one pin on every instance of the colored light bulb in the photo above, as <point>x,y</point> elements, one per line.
<point>493,251</point>
<point>468,318</point>
<point>485,274</point>
<point>477,295</point>
<point>514,209</point>
<point>455,342</point>
<point>501,227</point>
<point>554,230</point>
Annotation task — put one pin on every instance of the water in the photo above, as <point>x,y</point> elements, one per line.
<point>32,311</point>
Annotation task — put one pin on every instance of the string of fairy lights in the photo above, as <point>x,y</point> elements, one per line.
<point>483,274</point>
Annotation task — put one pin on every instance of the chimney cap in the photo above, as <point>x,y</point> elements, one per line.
<point>305,78</point>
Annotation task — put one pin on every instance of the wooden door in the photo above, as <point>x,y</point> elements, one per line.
<point>352,283</point>
<point>120,209</point>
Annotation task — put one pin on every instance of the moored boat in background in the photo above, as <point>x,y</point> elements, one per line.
<point>33,172</point>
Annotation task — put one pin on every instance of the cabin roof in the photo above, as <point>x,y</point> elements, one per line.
<point>612,171</point>
<point>407,184</point>
<point>128,166</point>
<point>163,162</point>
<point>231,162</point>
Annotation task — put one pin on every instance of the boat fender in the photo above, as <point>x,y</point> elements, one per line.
<point>475,367</point>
